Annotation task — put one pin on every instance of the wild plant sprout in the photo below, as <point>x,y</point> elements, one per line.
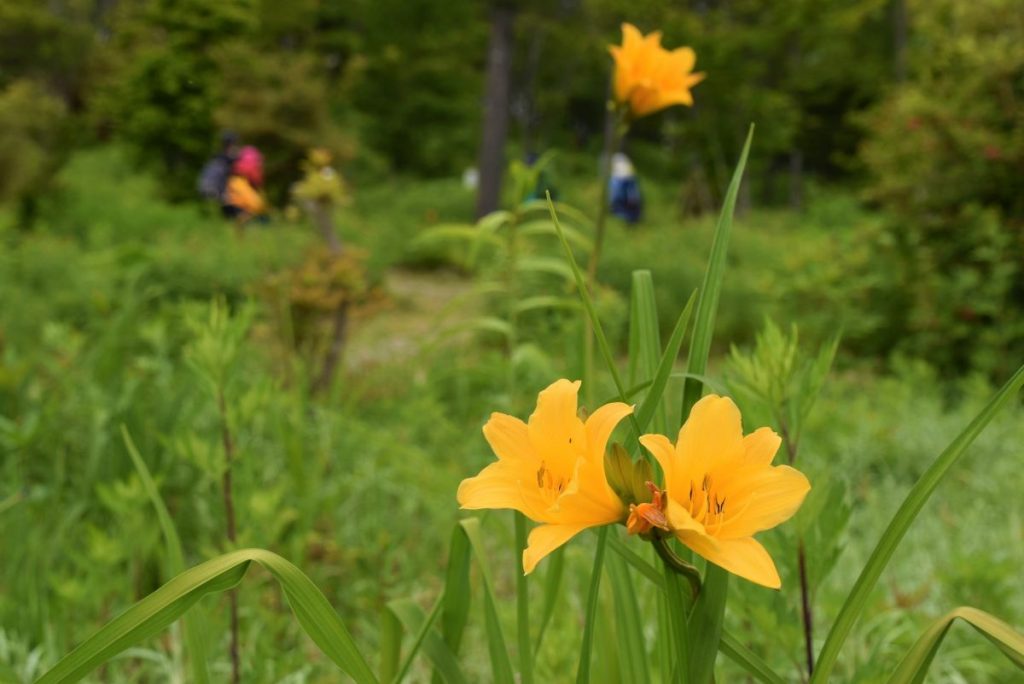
<point>698,488</point>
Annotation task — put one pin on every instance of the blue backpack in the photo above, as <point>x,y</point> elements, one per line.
<point>213,179</point>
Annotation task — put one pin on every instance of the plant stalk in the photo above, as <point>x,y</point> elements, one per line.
<point>229,513</point>
<point>807,613</point>
<point>321,211</point>
<point>512,291</point>
<point>523,606</point>
<point>805,600</point>
<point>611,142</point>
<point>677,564</point>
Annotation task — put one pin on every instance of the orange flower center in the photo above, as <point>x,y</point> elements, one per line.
<point>550,482</point>
<point>705,504</point>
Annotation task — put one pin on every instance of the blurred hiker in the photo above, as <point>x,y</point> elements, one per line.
<point>213,179</point>
<point>243,199</point>
<point>624,190</point>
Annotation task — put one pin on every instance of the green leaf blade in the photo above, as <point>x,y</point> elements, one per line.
<point>915,500</point>
<point>153,613</point>
<point>915,664</point>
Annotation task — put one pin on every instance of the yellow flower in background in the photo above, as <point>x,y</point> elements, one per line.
<point>722,488</point>
<point>550,469</point>
<point>648,77</point>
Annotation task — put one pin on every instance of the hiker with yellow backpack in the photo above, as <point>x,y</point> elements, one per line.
<point>234,179</point>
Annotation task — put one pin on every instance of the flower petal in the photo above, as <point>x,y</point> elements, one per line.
<point>680,61</point>
<point>663,450</point>
<point>775,495</point>
<point>631,36</point>
<point>545,539</point>
<point>711,436</point>
<point>589,499</point>
<point>556,432</point>
<point>497,486</point>
<point>599,427</point>
<point>761,445</point>
<point>680,520</point>
<point>744,557</point>
<point>509,438</point>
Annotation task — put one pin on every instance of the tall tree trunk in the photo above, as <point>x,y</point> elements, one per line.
<point>495,124</point>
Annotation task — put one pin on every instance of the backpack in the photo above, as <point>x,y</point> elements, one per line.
<point>214,178</point>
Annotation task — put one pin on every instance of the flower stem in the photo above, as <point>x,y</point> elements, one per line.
<point>792,444</point>
<point>677,564</point>
<point>611,142</point>
<point>523,607</point>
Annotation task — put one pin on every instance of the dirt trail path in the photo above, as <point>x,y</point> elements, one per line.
<point>420,304</point>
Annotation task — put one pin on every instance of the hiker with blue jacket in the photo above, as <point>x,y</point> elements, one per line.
<point>213,179</point>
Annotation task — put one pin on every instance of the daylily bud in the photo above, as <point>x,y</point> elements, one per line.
<point>646,516</point>
<point>627,478</point>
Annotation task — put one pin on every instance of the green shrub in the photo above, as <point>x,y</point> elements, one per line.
<point>33,137</point>
<point>945,151</point>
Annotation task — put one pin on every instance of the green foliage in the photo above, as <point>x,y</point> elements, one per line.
<point>94,335</point>
<point>777,384</point>
<point>162,91</point>
<point>403,45</point>
<point>944,151</point>
<point>33,137</point>
<point>44,63</point>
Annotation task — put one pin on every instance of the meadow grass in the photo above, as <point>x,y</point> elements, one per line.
<point>357,487</point>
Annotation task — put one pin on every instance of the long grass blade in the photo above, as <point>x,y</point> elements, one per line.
<point>583,672</point>
<point>748,660</point>
<point>523,606</point>
<point>711,288</point>
<point>915,665</point>
<point>191,622</point>
<point>644,329</point>
<point>417,642</point>
<point>629,625</point>
<point>446,665</point>
<point>655,394</point>
<point>457,597</point>
<point>677,600</point>
<point>390,648</point>
<point>501,666</point>
<point>165,605</point>
<point>894,533</point>
<point>638,562</point>
<point>588,306</point>
<point>552,587</point>
<point>709,610</point>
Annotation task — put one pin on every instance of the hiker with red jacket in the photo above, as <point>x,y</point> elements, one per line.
<point>243,197</point>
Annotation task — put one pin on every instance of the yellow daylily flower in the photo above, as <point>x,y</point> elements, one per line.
<point>550,469</point>
<point>648,77</point>
<point>722,488</point>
